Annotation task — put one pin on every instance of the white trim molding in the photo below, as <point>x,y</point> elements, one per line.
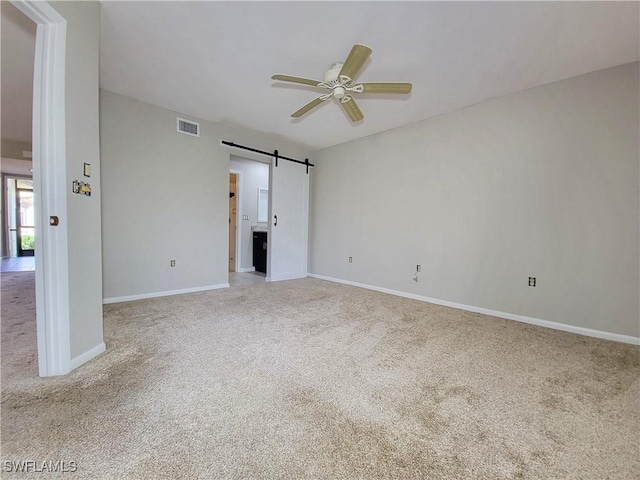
<point>49,179</point>
<point>88,355</point>
<point>142,296</point>
<point>246,269</point>
<point>616,337</point>
<point>285,276</point>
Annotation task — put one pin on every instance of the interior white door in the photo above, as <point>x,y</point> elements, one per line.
<point>289,221</point>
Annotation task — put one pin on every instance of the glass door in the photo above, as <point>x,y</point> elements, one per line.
<point>25,222</point>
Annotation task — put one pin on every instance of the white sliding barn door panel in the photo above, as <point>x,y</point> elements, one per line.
<point>288,236</point>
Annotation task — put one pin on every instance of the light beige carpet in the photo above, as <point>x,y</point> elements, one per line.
<point>310,379</point>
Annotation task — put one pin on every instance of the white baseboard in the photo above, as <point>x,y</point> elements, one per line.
<point>142,296</point>
<point>88,355</point>
<point>246,269</point>
<point>616,337</point>
<point>286,276</point>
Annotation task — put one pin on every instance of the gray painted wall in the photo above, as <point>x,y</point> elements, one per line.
<point>14,148</point>
<point>83,145</point>
<point>540,183</point>
<point>165,196</point>
<point>254,174</point>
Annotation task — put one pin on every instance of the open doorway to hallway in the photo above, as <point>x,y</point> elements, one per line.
<point>18,264</point>
<point>18,209</point>
<point>18,212</point>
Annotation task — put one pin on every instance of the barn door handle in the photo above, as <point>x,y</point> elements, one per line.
<point>275,224</point>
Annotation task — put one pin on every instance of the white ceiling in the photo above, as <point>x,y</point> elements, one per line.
<point>18,37</point>
<point>214,60</point>
<point>14,166</point>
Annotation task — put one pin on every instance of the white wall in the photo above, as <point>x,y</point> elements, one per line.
<point>541,183</point>
<point>254,174</point>
<point>83,145</point>
<point>165,196</point>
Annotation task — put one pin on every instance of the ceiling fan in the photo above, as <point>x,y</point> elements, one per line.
<point>339,83</point>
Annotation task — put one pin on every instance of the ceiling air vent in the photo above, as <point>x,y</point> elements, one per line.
<point>188,128</point>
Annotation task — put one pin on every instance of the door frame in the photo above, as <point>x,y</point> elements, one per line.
<point>249,155</point>
<point>301,272</point>
<point>238,174</point>
<point>50,187</point>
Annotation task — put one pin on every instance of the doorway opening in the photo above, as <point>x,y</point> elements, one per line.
<point>24,221</point>
<point>47,121</point>
<point>287,220</point>
<point>19,323</point>
<point>248,221</point>
<point>19,226</point>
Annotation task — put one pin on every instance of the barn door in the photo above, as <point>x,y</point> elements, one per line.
<point>289,220</point>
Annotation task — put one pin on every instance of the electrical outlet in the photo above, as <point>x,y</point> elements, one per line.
<point>81,188</point>
<point>418,268</point>
<point>173,263</point>
<point>532,281</point>
<point>350,259</point>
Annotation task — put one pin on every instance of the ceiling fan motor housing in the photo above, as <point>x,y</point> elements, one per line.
<point>336,85</point>
<point>333,72</point>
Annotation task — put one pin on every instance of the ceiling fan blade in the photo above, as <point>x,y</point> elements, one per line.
<point>307,107</point>
<point>386,87</point>
<point>289,78</point>
<point>352,110</point>
<point>354,62</point>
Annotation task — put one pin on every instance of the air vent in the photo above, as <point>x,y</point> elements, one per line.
<point>188,128</point>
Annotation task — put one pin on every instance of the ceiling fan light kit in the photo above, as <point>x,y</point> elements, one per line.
<point>339,83</point>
